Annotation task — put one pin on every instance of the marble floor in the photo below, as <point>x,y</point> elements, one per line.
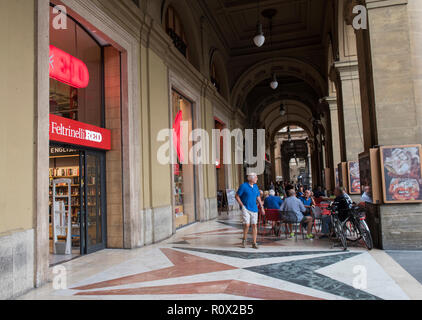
<point>204,261</point>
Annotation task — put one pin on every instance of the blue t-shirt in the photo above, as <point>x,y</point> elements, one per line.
<point>306,202</point>
<point>273,202</point>
<point>248,195</point>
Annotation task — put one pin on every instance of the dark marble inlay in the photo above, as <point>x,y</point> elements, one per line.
<point>180,242</point>
<point>257,255</point>
<point>303,272</point>
<point>237,225</point>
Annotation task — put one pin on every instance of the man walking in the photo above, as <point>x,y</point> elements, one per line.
<point>247,196</point>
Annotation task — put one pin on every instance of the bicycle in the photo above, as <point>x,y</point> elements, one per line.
<point>337,226</point>
<point>353,228</point>
<point>356,227</point>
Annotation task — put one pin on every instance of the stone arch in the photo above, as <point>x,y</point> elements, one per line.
<point>296,110</point>
<point>281,66</point>
<point>190,28</point>
<point>217,58</point>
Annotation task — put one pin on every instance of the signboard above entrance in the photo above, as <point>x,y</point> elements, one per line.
<point>79,134</point>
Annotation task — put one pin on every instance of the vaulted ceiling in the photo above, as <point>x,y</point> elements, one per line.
<point>297,23</point>
<point>298,29</point>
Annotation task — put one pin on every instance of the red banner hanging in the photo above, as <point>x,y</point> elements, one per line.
<point>177,136</point>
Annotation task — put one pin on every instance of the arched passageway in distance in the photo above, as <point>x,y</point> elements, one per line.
<point>292,156</point>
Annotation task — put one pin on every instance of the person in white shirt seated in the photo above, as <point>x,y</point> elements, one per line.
<point>366,196</point>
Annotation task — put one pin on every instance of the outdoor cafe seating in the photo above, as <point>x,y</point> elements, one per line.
<point>275,217</point>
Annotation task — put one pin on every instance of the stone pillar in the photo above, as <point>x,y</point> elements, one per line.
<point>277,156</point>
<point>351,108</point>
<point>394,52</point>
<point>310,166</point>
<point>273,164</point>
<point>335,133</point>
<point>392,70</point>
<point>415,28</point>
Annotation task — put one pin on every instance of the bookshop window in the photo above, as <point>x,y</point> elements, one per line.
<point>183,174</point>
<point>84,105</point>
<point>175,30</point>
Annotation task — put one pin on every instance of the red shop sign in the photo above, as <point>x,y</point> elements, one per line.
<point>79,134</point>
<point>68,69</point>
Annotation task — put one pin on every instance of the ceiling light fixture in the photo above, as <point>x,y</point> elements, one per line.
<point>259,38</point>
<point>274,83</point>
<point>269,14</point>
<point>282,110</point>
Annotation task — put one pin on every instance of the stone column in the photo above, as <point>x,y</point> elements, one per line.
<point>310,166</point>
<point>415,24</point>
<point>335,133</point>
<point>273,162</point>
<point>394,52</point>
<point>351,108</point>
<point>277,156</point>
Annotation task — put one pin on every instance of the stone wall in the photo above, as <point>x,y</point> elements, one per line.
<point>401,227</point>
<point>16,263</point>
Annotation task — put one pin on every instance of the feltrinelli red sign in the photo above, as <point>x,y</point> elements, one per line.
<point>68,69</point>
<point>79,134</point>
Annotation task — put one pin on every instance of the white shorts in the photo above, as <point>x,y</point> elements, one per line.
<point>250,218</point>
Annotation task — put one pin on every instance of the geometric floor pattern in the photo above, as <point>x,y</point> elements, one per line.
<point>205,262</point>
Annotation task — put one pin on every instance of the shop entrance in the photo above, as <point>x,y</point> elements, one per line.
<point>85,171</point>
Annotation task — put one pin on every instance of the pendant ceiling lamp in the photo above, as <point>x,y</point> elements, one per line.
<point>259,38</point>
<point>282,110</point>
<point>269,14</point>
<point>274,82</point>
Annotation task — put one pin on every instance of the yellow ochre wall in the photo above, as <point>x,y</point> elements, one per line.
<point>159,119</point>
<point>154,116</point>
<point>17,114</point>
<point>209,170</point>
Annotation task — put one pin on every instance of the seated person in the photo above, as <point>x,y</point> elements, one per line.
<point>272,201</point>
<point>366,197</point>
<point>344,203</point>
<point>288,188</point>
<point>308,202</point>
<point>293,204</point>
<point>319,193</point>
<point>300,192</point>
<point>326,227</point>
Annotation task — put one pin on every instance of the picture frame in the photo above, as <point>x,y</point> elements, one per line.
<point>401,173</point>
<point>353,176</point>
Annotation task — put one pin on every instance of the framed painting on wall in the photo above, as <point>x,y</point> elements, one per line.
<point>401,173</point>
<point>354,177</point>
